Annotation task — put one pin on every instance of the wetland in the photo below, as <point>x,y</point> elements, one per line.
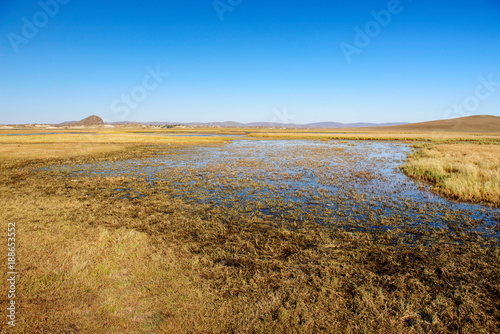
<point>354,185</point>
<point>207,234</point>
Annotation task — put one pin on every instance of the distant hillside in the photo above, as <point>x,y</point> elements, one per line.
<point>480,123</point>
<point>89,121</point>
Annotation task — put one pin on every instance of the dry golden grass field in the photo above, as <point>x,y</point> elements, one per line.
<point>465,172</point>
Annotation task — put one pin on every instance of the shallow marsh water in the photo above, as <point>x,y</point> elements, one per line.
<point>355,185</point>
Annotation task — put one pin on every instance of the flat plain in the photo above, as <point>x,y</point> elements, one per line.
<point>255,230</point>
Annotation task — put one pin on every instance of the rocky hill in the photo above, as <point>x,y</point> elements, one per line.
<point>89,121</point>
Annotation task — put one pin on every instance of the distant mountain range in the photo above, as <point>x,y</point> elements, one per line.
<point>97,121</point>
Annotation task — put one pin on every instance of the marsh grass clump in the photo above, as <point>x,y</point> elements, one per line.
<point>465,172</point>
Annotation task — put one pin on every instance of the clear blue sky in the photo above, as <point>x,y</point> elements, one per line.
<point>265,61</point>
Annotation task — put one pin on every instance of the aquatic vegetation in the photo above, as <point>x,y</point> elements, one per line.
<point>356,185</point>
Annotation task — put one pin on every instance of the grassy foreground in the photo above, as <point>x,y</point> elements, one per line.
<point>94,262</point>
<point>465,172</point>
